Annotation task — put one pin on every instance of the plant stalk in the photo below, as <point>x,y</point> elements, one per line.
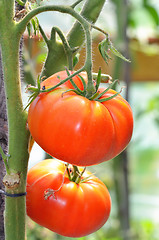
<point>18,134</point>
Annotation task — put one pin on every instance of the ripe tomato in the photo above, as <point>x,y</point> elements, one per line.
<point>77,130</point>
<point>75,210</point>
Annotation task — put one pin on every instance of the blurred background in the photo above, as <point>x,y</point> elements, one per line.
<point>132,178</point>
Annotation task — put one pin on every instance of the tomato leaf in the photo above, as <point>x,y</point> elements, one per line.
<point>29,29</point>
<point>75,59</point>
<point>84,84</point>
<point>117,53</point>
<point>35,24</point>
<point>106,90</point>
<point>105,46</point>
<point>79,91</point>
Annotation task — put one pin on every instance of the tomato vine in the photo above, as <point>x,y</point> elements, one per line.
<point>12,26</point>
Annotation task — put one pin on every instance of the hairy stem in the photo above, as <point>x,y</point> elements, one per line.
<point>86,27</point>
<point>18,134</point>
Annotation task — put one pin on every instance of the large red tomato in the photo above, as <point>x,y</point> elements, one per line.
<point>75,210</point>
<point>77,130</point>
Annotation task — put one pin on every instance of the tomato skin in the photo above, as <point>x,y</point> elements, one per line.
<point>75,210</point>
<point>77,130</point>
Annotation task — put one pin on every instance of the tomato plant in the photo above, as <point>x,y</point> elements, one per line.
<point>75,129</point>
<point>79,129</point>
<point>72,209</point>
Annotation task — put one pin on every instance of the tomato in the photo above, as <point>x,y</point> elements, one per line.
<point>77,130</point>
<point>75,210</point>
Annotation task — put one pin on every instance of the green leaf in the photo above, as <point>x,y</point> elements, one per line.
<point>77,89</point>
<point>29,29</point>
<point>35,24</point>
<point>106,90</point>
<point>105,46</point>
<point>84,84</point>
<point>118,54</point>
<point>75,59</point>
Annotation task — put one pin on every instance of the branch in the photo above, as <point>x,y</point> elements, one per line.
<point>63,9</point>
<point>86,27</point>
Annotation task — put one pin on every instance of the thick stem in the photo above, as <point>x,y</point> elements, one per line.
<point>18,134</point>
<point>10,33</point>
<point>16,116</point>
<point>18,141</point>
<point>3,144</point>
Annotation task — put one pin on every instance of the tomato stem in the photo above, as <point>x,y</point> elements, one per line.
<point>79,91</point>
<point>106,90</point>
<point>63,81</point>
<point>91,89</point>
<point>86,27</point>
<point>68,171</point>
<point>74,173</point>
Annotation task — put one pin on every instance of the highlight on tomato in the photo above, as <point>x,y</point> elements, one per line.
<point>70,204</point>
<point>78,130</point>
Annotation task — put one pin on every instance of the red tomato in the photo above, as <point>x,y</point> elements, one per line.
<point>75,210</point>
<point>77,130</point>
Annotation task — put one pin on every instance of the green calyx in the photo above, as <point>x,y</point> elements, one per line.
<point>75,175</point>
<point>96,96</point>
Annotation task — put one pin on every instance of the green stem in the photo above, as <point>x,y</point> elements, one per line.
<point>68,171</point>
<point>76,174</point>
<point>90,11</point>
<point>100,30</point>
<point>86,27</point>
<point>63,81</point>
<point>18,134</point>
<point>10,33</point>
